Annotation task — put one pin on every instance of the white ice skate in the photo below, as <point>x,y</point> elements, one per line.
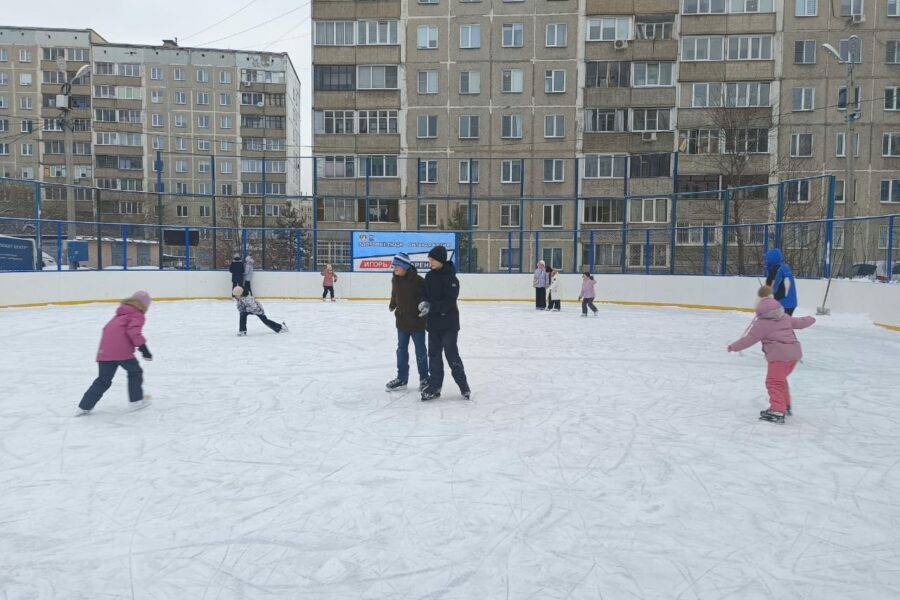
<point>80,412</point>
<point>142,403</point>
<point>284,328</point>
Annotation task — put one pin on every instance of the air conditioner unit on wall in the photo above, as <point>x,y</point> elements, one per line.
<point>648,136</point>
<point>857,19</point>
<point>620,44</point>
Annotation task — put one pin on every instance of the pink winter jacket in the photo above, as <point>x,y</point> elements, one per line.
<point>328,278</point>
<point>122,334</point>
<point>776,332</point>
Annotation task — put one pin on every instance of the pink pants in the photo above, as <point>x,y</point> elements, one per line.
<point>777,384</point>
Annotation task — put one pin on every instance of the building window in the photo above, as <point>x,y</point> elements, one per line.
<point>702,48</point>
<point>658,257</point>
<point>749,47</point>
<point>26,79</point>
<point>225,77</point>
<point>510,258</point>
<point>180,98</point>
<point>181,210</point>
<point>381,165</point>
<point>428,215</point>
<point>602,120</point>
<point>511,126</point>
<point>803,99</point>
<point>554,126</point>
<point>427,37</point>
<point>801,145</point>
<point>839,147</point>
<point>893,8</point>
<point>608,74</point>
<point>805,52</point>
<point>605,166</point>
<point>552,257</point>
<point>202,98</point>
<point>556,35</point>
<point>652,74</point>
<point>224,99</point>
<point>851,7</point>
<point>468,171</point>
<point>892,52</point>
<point>890,190</point>
<point>427,82</point>
<point>513,35</point>
<point>890,144</point>
<point>892,97</point>
<point>202,76</point>
<point>851,52</point>
<point>376,77</point>
<point>807,8</point>
<point>378,121</point>
<point>511,171</point>
<point>608,29</point>
<point>335,33</point>
<point>428,171</point>
<point>509,215</point>
<point>469,127</point>
<point>327,78</point>
<point>336,167</point>
<point>470,82</point>
<point>554,172</point>
<point>178,74</point>
<point>470,36</point>
<point>335,122</point>
<point>797,192</point>
<point>26,102</point>
<point>511,82</point>
<point>24,56</point>
<point>377,33</point>
<point>747,94</point>
<point>426,126</point>
<point>604,211</point>
<point>649,210</point>
<point>203,121</point>
<point>156,120</point>
<point>653,27</point>
<point>700,141</point>
<point>333,253</point>
<point>555,81</point>
<point>651,119</point>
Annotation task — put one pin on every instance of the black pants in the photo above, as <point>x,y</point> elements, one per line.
<point>326,289</point>
<point>540,297</point>
<point>107,370</point>
<point>445,341</point>
<point>790,311</point>
<point>269,323</point>
<point>246,287</point>
<point>587,302</point>
<point>552,303</point>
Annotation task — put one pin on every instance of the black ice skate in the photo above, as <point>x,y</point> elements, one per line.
<point>423,385</point>
<point>430,393</point>
<point>466,393</point>
<point>772,416</point>
<point>789,412</point>
<point>395,385</point>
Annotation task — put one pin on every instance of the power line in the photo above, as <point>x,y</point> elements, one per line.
<point>257,26</point>
<point>205,29</point>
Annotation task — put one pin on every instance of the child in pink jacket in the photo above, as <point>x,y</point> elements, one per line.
<point>775,330</point>
<point>120,337</point>
<point>329,277</point>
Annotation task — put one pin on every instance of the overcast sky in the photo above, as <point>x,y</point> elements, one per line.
<point>193,22</point>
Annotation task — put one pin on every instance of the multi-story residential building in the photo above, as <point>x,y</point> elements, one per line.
<point>217,119</point>
<point>541,115</point>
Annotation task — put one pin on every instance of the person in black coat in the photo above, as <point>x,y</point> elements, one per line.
<point>439,295</point>
<point>237,271</point>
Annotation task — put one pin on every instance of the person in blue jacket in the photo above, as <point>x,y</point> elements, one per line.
<point>781,279</point>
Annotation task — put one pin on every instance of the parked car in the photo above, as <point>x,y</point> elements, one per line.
<point>875,270</point>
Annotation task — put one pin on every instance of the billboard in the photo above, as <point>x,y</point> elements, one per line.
<point>16,254</point>
<point>374,250</point>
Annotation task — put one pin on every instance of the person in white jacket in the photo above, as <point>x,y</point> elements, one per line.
<point>553,302</point>
<point>248,305</point>
<point>248,273</point>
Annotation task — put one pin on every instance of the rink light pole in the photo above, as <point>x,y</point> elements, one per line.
<point>850,116</point>
<point>63,103</point>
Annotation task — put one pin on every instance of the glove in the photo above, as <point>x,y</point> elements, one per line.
<point>145,352</point>
<point>729,348</point>
<point>424,307</point>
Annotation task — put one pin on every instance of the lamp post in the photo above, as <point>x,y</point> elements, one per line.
<point>851,115</point>
<point>64,105</point>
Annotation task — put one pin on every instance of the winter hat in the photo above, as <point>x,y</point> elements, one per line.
<point>237,292</point>
<point>438,253</point>
<point>237,256</point>
<point>401,259</point>
<point>769,308</point>
<point>764,291</point>
<point>142,298</point>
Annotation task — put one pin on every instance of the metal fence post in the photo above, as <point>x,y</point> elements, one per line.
<point>212,162</point>
<point>368,176</point>
<point>725,217</point>
<point>469,221</point>
<point>298,236</point>
<point>673,239</point>
<point>576,238</point>
<point>187,249</point>
<point>265,192</point>
<point>38,238</point>
<point>522,216</point>
<point>779,213</point>
<point>315,214</point>
<point>647,252</point>
<point>622,252</point>
<point>58,246</point>
<point>124,247</point>
<point>591,252</point>
<point>829,225</point>
<point>705,250</point>
<point>158,163</point>
<point>537,247</point>
<point>509,252</point>
<point>889,269</point>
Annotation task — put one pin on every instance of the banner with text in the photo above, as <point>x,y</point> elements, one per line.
<point>373,251</point>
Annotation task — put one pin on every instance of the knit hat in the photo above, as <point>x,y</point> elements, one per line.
<point>438,253</point>
<point>237,292</point>
<point>237,256</point>
<point>142,298</point>
<point>401,259</point>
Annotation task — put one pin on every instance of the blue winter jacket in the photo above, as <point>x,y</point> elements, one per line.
<point>781,279</point>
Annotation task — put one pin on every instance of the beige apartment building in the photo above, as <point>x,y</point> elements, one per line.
<point>216,118</point>
<point>555,109</point>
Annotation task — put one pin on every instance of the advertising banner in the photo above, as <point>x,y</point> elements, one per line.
<point>374,250</point>
<point>16,254</point>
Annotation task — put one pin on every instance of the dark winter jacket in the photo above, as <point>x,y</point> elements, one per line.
<point>406,293</point>
<point>781,279</point>
<point>248,304</point>
<point>237,272</point>
<point>441,291</point>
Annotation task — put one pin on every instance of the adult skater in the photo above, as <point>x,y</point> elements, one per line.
<point>237,270</point>
<point>540,286</point>
<point>780,278</point>
<point>439,304</point>
<point>120,337</point>
<point>248,273</point>
<point>248,305</point>
<point>406,294</point>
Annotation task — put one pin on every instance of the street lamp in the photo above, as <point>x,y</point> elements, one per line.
<point>851,115</point>
<point>64,105</point>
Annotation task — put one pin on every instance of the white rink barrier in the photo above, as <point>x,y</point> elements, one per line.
<point>880,301</point>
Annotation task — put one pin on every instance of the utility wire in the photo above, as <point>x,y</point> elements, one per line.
<point>257,26</point>
<point>205,29</point>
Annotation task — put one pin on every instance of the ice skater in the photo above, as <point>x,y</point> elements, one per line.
<point>540,286</point>
<point>329,277</point>
<point>553,301</point>
<point>775,329</point>
<point>121,336</point>
<point>248,273</point>
<point>248,305</point>
<point>587,294</point>
<point>440,293</point>
<point>237,270</point>
<point>406,294</point>
<point>780,278</point>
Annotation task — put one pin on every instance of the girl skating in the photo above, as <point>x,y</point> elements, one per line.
<point>329,277</point>
<point>587,294</point>
<point>248,305</point>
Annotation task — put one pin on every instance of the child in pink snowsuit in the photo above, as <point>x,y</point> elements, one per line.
<point>775,330</point>
<point>329,277</point>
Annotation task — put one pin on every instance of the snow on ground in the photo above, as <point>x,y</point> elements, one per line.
<point>618,457</point>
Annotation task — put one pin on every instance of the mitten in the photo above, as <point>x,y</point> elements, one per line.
<point>145,352</point>
<point>424,307</point>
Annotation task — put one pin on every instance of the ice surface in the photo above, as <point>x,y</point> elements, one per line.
<point>618,457</point>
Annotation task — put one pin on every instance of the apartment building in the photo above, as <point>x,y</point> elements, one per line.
<point>555,109</point>
<point>225,125</point>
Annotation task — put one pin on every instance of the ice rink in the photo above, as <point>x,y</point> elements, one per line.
<point>617,457</point>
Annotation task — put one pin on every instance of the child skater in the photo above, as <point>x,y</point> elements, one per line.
<point>554,301</point>
<point>587,294</point>
<point>329,277</point>
<point>439,304</point>
<point>248,305</point>
<point>775,329</point>
<point>120,337</point>
<point>406,293</point>
<point>237,270</point>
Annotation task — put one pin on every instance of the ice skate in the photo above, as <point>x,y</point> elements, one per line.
<point>395,385</point>
<point>789,412</point>
<point>80,412</point>
<point>242,333</point>
<point>466,393</point>
<point>284,328</point>
<point>333,300</point>
<point>430,393</point>
<point>142,403</point>
<point>772,416</point>
<point>423,385</point>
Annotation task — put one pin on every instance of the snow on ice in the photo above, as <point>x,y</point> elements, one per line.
<point>614,457</point>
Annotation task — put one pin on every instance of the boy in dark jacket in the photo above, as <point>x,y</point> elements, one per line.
<point>439,304</point>
<point>780,278</point>
<point>237,271</point>
<point>406,294</point>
